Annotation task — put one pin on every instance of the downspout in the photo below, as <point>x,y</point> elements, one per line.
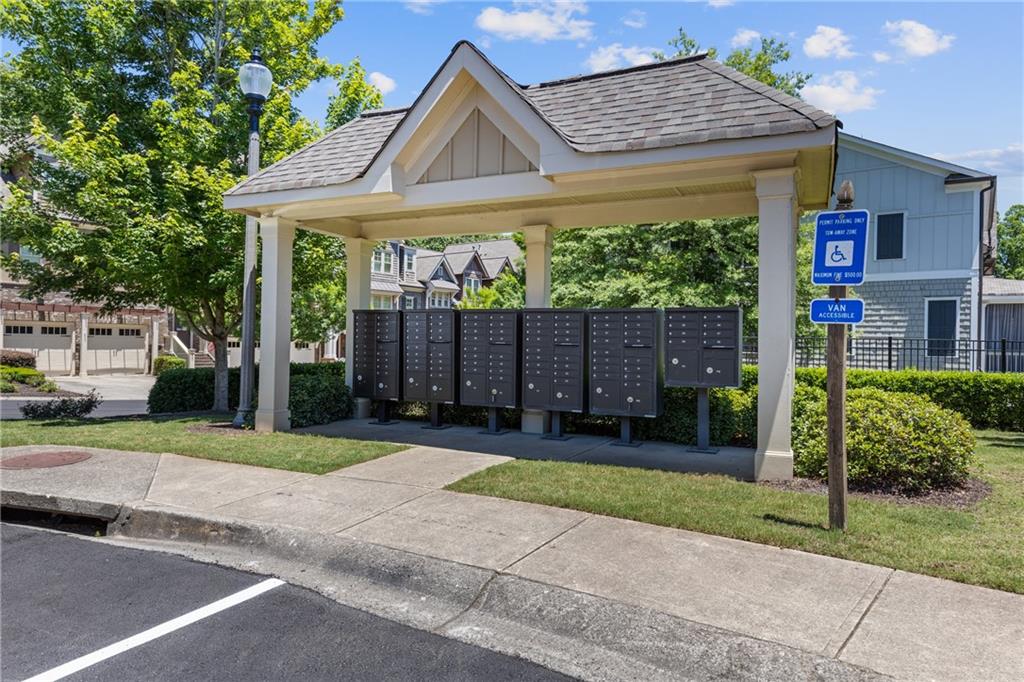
<point>982,221</point>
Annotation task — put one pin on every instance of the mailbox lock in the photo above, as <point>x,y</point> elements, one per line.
<point>599,390</point>
<point>380,385</point>
<point>411,380</point>
<point>675,361</point>
<point>433,388</point>
<point>558,395</point>
<point>530,386</point>
<point>710,370</point>
<point>469,383</point>
<point>494,391</point>
<point>629,399</point>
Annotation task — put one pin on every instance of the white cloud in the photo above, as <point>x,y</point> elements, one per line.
<point>1008,160</point>
<point>720,3</point>
<point>616,56</point>
<point>421,6</point>
<point>537,21</point>
<point>635,19</point>
<point>916,39</point>
<point>881,57</point>
<point>382,82</point>
<point>828,41</point>
<point>841,91</point>
<point>744,37</point>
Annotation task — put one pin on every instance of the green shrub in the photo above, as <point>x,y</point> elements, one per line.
<point>62,408</point>
<point>900,441</point>
<point>805,399</point>
<point>17,358</point>
<point>25,375</point>
<point>166,362</point>
<point>318,398</point>
<point>7,387</point>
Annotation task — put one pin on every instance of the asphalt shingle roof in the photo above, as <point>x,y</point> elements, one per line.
<point>995,286</point>
<point>665,104</point>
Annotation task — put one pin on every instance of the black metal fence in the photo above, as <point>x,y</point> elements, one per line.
<point>892,353</point>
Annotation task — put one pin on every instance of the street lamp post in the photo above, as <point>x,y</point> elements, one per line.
<point>255,80</point>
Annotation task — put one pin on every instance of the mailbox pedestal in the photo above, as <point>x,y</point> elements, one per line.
<point>490,362</point>
<point>430,362</point>
<point>626,369</point>
<point>377,351</point>
<point>554,362</point>
<point>703,349</point>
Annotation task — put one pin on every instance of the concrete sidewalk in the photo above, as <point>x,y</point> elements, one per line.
<point>592,596</point>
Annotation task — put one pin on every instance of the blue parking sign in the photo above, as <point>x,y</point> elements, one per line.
<point>837,311</point>
<point>840,247</point>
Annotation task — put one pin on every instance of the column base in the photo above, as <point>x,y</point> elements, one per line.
<point>361,408</point>
<point>534,421</point>
<point>773,465</point>
<point>273,420</point>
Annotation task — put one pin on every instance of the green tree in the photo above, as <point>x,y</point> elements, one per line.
<point>355,95</point>
<point>1010,249</point>
<point>138,103</point>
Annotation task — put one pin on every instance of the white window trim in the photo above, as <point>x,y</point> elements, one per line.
<point>410,298</point>
<point>903,250</point>
<point>392,301</point>
<point>387,259</point>
<point>956,325</point>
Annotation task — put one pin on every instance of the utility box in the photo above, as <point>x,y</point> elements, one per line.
<point>555,360</point>
<point>703,347</point>
<point>377,347</point>
<point>490,365</point>
<point>626,373</point>
<point>430,362</point>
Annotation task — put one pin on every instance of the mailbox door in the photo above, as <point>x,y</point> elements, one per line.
<point>718,367</point>
<point>442,373</point>
<point>364,349</point>
<point>682,344</point>
<point>387,371</point>
<point>606,338</point>
<point>414,356</point>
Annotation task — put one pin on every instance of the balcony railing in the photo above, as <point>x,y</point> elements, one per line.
<point>894,353</point>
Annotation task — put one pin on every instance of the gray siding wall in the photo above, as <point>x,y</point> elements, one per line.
<point>941,228</point>
<point>896,308</point>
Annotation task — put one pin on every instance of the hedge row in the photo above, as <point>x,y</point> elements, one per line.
<point>17,358</point>
<point>317,394</point>
<point>166,362</point>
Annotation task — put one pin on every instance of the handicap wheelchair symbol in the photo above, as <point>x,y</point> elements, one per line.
<point>839,253</point>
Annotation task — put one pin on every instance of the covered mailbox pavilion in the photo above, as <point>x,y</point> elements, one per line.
<point>478,153</point>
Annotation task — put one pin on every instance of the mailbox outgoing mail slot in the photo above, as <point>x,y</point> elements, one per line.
<point>377,347</point>
<point>554,360</point>
<point>489,368</point>
<point>626,369</point>
<point>429,371</point>
<point>703,347</point>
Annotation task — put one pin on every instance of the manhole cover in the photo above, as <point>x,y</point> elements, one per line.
<point>42,460</point>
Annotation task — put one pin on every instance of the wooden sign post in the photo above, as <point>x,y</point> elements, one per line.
<point>836,387</point>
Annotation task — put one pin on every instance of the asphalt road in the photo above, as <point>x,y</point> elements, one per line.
<point>64,597</point>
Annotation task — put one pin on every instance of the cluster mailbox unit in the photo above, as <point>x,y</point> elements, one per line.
<point>703,349</point>
<point>430,362</point>
<point>626,369</point>
<point>377,347</point>
<point>554,363</point>
<point>490,362</point>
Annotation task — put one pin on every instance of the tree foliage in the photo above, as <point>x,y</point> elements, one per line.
<point>1010,249</point>
<point>138,103</point>
<point>355,95</point>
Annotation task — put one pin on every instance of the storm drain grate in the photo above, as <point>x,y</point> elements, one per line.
<point>44,460</point>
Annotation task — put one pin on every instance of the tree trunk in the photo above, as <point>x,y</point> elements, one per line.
<point>220,374</point>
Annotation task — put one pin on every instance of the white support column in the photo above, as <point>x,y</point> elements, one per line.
<point>275,324</point>
<point>154,340</point>
<point>358,252</point>
<point>331,347</point>
<point>83,343</point>
<point>538,295</point>
<point>778,216</point>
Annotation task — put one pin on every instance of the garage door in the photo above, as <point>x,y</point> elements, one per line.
<point>116,349</point>
<point>50,343</point>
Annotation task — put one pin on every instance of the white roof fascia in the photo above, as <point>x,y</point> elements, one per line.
<point>919,161</point>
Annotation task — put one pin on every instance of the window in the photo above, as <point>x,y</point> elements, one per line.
<point>471,284</point>
<point>410,303</point>
<point>129,332</point>
<point>382,302</point>
<point>54,331</point>
<point>889,236</point>
<point>17,329</point>
<point>440,299</point>
<point>28,254</point>
<point>101,331</point>
<point>383,261</point>
<point>940,319</point>
<point>301,345</point>
<point>234,344</point>
<point>410,260</point>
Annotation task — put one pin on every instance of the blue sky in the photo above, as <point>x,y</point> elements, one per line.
<point>942,79</point>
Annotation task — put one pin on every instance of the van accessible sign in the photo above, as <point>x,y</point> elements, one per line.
<point>840,247</point>
<point>837,311</point>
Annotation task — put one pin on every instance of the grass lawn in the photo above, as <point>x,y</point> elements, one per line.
<point>983,545</point>
<point>295,452</point>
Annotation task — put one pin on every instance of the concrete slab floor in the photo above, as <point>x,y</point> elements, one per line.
<point>422,466</point>
<point>923,628</point>
<point>803,600</point>
<point>202,484</point>
<point>324,504</point>
<point>469,529</point>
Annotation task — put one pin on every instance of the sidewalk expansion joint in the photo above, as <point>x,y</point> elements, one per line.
<point>426,492</point>
<point>545,543</point>
<point>864,615</point>
<point>472,605</point>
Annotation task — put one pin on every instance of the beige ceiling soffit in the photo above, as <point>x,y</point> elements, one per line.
<point>337,227</point>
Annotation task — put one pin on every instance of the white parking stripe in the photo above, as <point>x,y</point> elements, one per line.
<point>153,633</point>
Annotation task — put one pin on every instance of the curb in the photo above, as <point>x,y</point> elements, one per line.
<point>578,634</point>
